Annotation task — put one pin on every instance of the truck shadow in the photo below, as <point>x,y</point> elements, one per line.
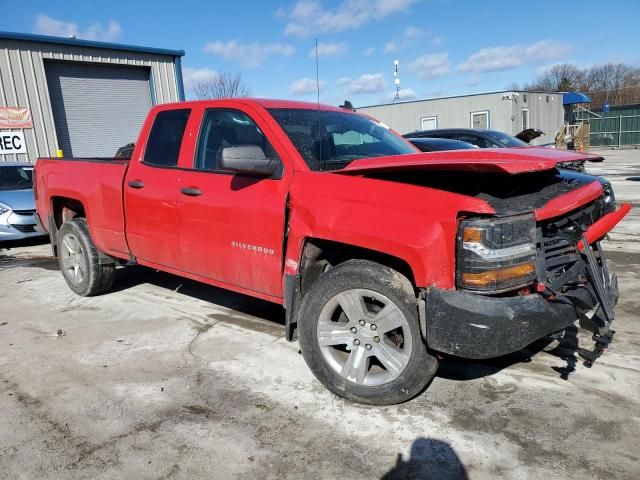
<point>452,368</point>
<point>132,276</point>
<point>25,242</point>
<point>565,348</point>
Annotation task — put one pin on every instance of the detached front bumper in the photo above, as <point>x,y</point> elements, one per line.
<point>475,326</point>
<point>573,284</point>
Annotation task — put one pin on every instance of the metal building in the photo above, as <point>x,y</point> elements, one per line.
<point>507,111</point>
<point>83,97</point>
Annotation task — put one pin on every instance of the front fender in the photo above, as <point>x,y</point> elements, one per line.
<point>415,224</point>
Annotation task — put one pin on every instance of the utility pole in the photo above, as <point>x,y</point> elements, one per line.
<point>396,76</point>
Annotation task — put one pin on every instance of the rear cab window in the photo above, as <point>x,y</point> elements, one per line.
<point>165,138</point>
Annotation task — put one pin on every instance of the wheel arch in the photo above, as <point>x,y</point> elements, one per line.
<point>61,209</point>
<point>65,208</point>
<point>319,255</point>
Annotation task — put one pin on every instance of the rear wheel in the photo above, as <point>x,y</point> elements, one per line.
<point>360,335</point>
<point>79,260</point>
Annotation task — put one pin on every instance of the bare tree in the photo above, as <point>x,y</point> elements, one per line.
<point>610,76</point>
<point>559,78</point>
<point>615,83</point>
<point>223,85</point>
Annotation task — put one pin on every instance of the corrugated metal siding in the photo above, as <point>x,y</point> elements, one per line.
<point>97,108</point>
<point>455,112</point>
<point>23,83</point>
<point>546,112</point>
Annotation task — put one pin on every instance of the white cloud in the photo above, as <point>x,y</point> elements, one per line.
<point>410,37</point>
<point>46,25</point>
<point>431,65</point>
<point>328,49</point>
<point>413,33</point>
<point>507,57</point>
<point>369,51</point>
<point>367,83</point>
<point>436,40</point>
<point>404,94</point>
<point>472,82</point>
<point>194,76</point>
<point>305,86</point>
<point>343,80</point>
<point>390,47</point>
<point>310,16</point>
<point>249,55</point>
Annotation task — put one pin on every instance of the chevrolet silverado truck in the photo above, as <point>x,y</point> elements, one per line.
<point>385,258</point>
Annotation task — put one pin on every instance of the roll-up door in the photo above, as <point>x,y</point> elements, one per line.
<point>97,108</point>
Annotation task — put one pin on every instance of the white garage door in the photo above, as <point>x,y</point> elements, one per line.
<point>97,108</point>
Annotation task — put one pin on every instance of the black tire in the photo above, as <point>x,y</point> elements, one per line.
<point>95,278</point>
<point>356,276</point>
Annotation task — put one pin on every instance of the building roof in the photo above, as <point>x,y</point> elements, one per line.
<point>497,92</point>
<point>76,42</point>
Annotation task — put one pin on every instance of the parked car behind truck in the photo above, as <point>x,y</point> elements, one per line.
<point>483,138</point>
<point>17,205</point>
<point>382,256</point>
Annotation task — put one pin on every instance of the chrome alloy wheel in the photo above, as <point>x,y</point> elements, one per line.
<point>73,259</point>
<point>364,337</point>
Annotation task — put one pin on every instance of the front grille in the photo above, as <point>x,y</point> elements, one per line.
<point>559,237</point>
<point>24,228</point>
<point>24,212</point>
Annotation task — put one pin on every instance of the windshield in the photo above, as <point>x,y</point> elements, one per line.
<point>507,140</point>
<point>329,140</point>
<point>16,178</point>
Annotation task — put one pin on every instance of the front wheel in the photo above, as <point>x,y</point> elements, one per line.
<point>360,335</point>
<point>79,260</point>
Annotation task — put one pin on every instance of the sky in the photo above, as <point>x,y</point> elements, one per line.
<point>444,47</point>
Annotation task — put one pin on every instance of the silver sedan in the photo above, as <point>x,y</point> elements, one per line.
<point>17,205</point>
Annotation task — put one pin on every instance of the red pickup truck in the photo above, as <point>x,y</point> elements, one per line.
<point>385,258</point>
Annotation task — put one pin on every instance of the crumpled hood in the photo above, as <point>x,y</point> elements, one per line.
<point>491,160</point>
<point>18,199</point>
<point>568,155</point>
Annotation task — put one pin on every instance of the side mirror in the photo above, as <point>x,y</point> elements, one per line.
<point>248,160</point>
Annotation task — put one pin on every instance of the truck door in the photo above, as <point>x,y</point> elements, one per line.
<point>232,226</point>
<point>152,189</point>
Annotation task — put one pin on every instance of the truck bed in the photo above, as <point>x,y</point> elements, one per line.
<point>97,182</point>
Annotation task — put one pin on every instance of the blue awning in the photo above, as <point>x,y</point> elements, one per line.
<point>571,98</point>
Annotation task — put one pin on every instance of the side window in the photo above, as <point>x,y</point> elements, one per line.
<point>227,128</point>
<point>163,145</point>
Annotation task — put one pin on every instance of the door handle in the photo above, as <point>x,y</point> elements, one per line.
<point>191,191</point>
<point>136,183</point>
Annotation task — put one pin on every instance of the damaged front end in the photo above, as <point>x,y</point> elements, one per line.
<point>519,279</point>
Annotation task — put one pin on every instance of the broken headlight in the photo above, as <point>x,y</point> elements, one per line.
<point>496,254</point>
<point>608,198</point>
